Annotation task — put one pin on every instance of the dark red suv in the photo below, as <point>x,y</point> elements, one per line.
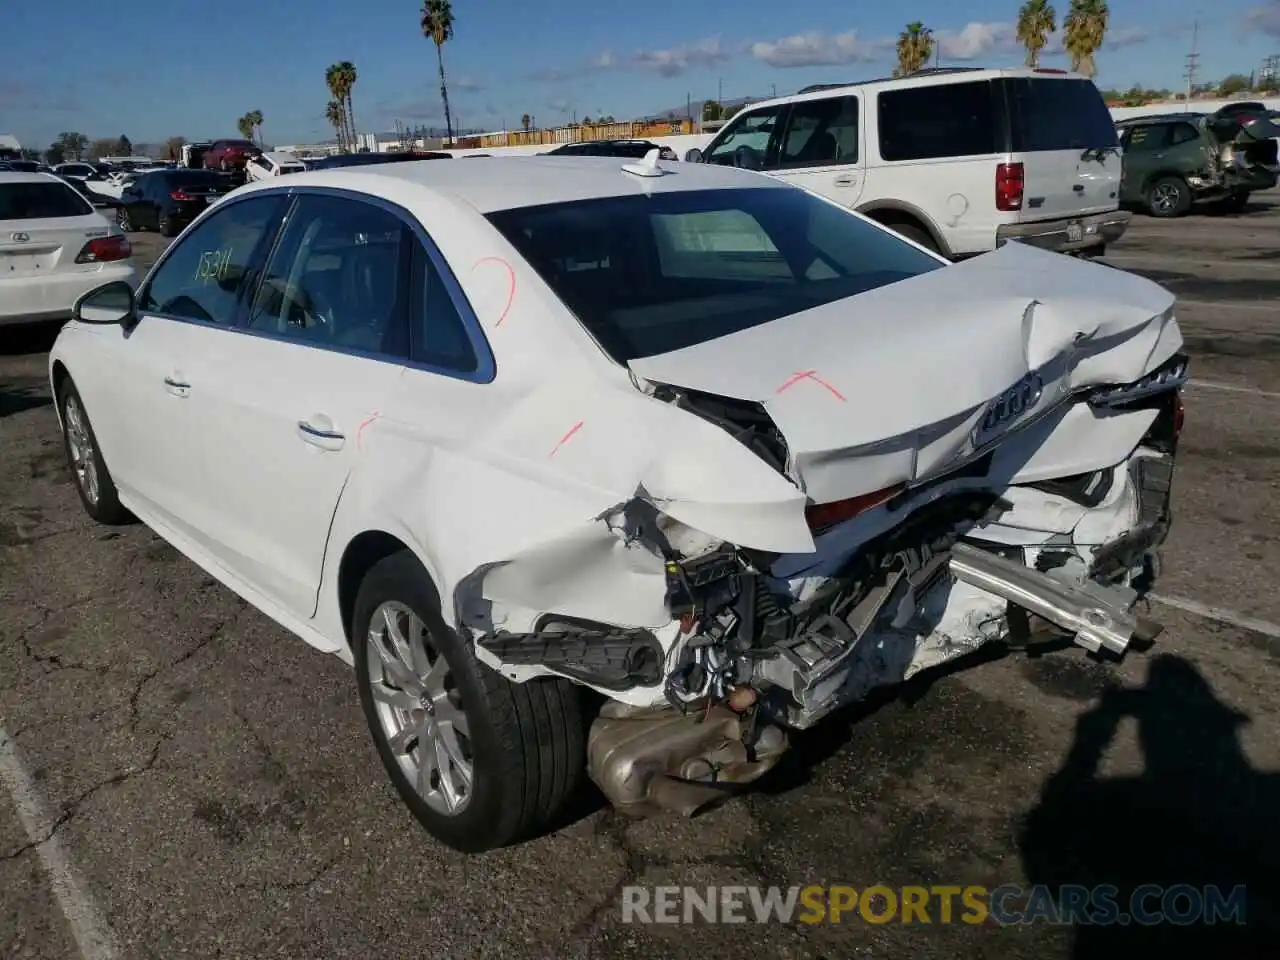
<point>227,155</point>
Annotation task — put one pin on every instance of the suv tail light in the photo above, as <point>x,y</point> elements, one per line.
<point>181,195</point>
<point>1009,183</point>
<point>105,250</point>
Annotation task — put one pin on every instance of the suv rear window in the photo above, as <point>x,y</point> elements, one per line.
<point>931,122</point>
<point>1057,115</point>
<point>648,275</point>
<point>41,201</point>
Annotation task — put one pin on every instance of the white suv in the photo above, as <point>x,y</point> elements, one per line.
<point>53,249</point>
<point>959,160</point>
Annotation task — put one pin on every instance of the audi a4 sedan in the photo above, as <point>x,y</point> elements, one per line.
<point>602,467</point>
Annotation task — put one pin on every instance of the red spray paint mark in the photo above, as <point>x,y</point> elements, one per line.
<point>565,439</point>
<point>360,429</point>
<point>511,283</point>
<point>811,375</point>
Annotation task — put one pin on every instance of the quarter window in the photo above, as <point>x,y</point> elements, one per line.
<point>202,277</point>
<point>937,121</point>
<point>337,278</point>
<point>1183,133</point>
<point>820,133</point>
<point>1147,137</point>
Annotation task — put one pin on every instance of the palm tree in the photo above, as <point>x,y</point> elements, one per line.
<point>334,80</point>
<point>333,113</point>
<point>245,126</point>
<point>1036,20</point>
<point>437,25</point>
<point>524,122</point>
<point>255,124</point>
<point>1083,30</point>
<point>915,47</point>
<point>347,77</point>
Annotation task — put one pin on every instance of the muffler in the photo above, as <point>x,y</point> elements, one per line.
<point>654,759</point>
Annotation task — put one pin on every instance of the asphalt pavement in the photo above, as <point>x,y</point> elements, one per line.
<point>202,783</point>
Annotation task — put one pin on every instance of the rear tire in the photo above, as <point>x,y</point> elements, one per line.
<point>916,234</point>
<point>122,220</point>
<point>167,227</point>
<point>1168,197</point>
<point>84,458</point>
<point>524,744</point>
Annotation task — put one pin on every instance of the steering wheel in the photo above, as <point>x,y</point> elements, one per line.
<point>748,158</point>
<point>307,309</point>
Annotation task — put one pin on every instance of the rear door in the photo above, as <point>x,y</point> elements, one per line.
<point>1064,136</point>
<point>326,341</point>
<point>821,148</point>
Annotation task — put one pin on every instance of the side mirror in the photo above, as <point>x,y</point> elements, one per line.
<point>111,303</point>
<point>693,156</point>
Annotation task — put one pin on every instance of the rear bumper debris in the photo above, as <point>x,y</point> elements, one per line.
<point>1098,616</point>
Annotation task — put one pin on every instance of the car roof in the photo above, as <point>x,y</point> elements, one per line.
<point>529,181</point>
<point>929,77</point>
<point>22,176</point>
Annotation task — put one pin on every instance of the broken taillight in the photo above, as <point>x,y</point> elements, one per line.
<point>824,516</point>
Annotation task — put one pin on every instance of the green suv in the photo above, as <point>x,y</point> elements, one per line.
<point>1176,159</point>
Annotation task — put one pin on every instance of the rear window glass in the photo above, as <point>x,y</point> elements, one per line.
<point>195,179</point>
<point>40,201</point>
<point>948,120</point>
<point>1058,115</point>
<point>648,275</point>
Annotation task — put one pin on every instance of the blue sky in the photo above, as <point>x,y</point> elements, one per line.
<point>156,68</point>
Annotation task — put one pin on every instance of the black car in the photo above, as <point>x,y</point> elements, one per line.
<point>168,200</point>
<point>632,149</point>
<point>361,159</point>
<point>24,166</point>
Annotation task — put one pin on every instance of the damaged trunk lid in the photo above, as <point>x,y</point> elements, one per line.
<point>911,380</point>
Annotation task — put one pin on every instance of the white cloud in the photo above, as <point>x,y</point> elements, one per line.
<point>976,40</point>
<point>1264,19</point>
<point>815,49</point>
<point>673,62</point>
<point>605,61</point>
<point>465,84</point>
<point>559,105</point>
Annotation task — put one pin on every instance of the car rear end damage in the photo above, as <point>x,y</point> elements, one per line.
<point>908,530</point>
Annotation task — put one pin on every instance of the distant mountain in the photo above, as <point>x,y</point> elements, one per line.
<point>696,107</point>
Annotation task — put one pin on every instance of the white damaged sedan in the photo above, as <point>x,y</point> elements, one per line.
<point>708,445</point>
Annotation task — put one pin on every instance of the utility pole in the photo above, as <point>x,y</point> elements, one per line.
<point>773,90</point>
<point>720,93</point>
<point>1192,60</point>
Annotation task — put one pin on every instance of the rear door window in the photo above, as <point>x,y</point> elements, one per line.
<point>1183,133</point>
<point>938,121</point>
<point>1049,114</point>
<point>820,133</point>
<point>41,201</point>
<point>1147,137</point>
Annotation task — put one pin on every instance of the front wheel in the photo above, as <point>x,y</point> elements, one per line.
<point>1168,197</point>
<point>912,232</point>
<point>480,761</point>
<point>84,457</point>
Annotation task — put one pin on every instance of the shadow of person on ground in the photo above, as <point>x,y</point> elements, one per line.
<point>1198,816</point>
<point>17,399</point>
<point>27,338</point>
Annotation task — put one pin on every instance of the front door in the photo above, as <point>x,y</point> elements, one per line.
<point>323,345</point>
<point>187,307</point>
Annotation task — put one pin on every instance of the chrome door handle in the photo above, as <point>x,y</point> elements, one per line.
<point>324,437</point>
<point>177,387</point>
<point>845,181</point>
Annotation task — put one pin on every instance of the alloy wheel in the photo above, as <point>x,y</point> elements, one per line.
<point>1165,197</point>
<point>79,442</point>
<point>122,218</point>
<point>420,708</point>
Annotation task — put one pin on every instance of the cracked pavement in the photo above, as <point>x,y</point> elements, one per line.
<point>212,779</point>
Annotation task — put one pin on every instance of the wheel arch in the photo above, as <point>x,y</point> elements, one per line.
<point>359,556</point>
<point>891,212</point>
<point>59,377</point>
<point>1163,175</point>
